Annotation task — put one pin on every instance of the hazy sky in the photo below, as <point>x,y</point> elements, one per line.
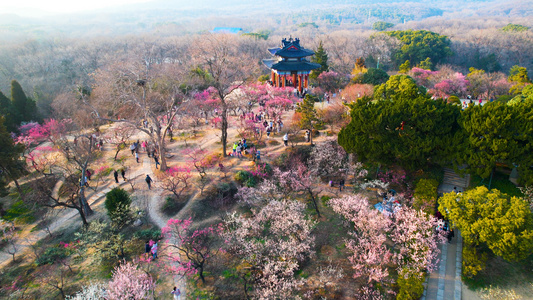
<point>32,7</point>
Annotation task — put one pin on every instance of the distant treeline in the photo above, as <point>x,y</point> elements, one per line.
<point>47,64</point>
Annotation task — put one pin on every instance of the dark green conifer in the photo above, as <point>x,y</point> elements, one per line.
<point>320,57</point>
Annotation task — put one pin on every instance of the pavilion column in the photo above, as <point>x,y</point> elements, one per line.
<point>306,80</point>
<point>300,83</point>
<point>278,80</point>
<point>283,79</point>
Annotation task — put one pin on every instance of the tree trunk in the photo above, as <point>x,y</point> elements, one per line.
<point>162,155</point>
<point>118,150</point>
<point>83,217</point>
<point>201,274</point>
<point>83,201</point>
<point>313,199</point>
<point>160,138</point>
<point>19,189</point>
<point>62,293</point>
<point>224,127</point>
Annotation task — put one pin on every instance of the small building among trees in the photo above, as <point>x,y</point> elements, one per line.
<point>290,66</point>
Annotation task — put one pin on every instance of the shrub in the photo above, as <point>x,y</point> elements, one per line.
<point>325,200</point>
<point>52,255</point>
<point>117,203</point>
<point>411,286</point>
<point>148,234</point>
<point>226,193</point>
<point>115,198</point>
<point>172,206</point>
<point>245,178</point>
<point>374,77</point>
<point>292,155</point>
<point>454,100</point>
<point>426,195</point>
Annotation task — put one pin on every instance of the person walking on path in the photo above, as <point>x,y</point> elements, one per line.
<point>123,173</point>
<point>115,174</point>
<point>154,250</point>
<point>156,159</point>
<point>137,157</point>
<point>286,139</point>
<point>238,151</point>
<point>147,249</point>
<point>450,235</point>
<point>341,184</point>
<point>176,293</point>
<point>149,181</point>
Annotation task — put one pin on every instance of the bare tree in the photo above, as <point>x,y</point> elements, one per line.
<point>118,137</point>
<point>9,234</point>
<point>228,69</point>
<point>44,194</point>
<point>141,95</point>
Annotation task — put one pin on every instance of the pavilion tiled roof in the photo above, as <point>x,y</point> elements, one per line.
<point>290,57</point>
<point>295,66</point>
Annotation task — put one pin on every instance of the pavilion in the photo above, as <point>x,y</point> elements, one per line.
<point>290,66</point>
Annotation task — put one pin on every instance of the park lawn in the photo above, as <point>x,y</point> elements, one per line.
<point>500,181</point>
<point>504,277</point>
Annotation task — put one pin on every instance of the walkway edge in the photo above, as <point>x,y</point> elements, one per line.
<point>458,267</point>
<point>442,272</point>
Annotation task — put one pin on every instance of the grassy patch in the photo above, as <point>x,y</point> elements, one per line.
<point>501,273</point>
<point>172,205</point>
<point>500,181</point>
<point>20,212</point>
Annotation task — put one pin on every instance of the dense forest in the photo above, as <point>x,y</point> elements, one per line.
<point>143,152</point>
<point>47,60</point>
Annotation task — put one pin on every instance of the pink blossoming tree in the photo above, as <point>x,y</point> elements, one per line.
<point>176,180</point>
<point>270,245</point>
<point>190,250</point>
<point>130,282</point>
<point>412,233</point>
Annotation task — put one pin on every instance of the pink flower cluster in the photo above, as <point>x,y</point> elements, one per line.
<point>412,234</point>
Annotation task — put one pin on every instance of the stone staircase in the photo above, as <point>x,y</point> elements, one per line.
<point>452,179</point>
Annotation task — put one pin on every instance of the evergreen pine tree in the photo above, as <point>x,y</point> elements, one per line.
<point>405,67</point>
<point>320,57</point>
<point>519,74</point>
<point>24,109</point>
<point>426,64</point>
<point>6,110</point>
<point>309,117</point>
<point>11,167</point>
